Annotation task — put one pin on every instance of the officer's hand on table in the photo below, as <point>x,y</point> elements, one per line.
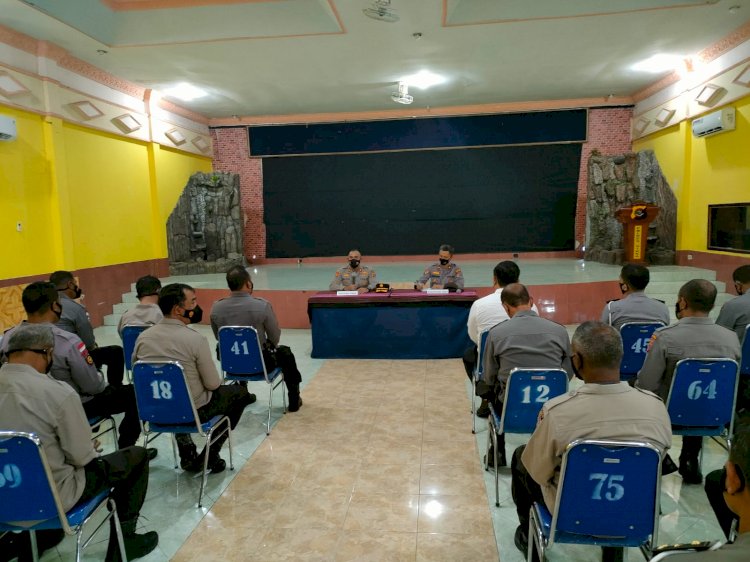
<point>362,290</point>
<point>418,286</point>
<point>436,286</point>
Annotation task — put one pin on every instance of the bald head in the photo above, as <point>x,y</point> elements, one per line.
<point>515,297</point>
<point>698,296</point>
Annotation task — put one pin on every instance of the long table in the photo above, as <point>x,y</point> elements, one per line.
<point>402,324</point>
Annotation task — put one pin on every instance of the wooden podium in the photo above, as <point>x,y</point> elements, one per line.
<point>635,220</point>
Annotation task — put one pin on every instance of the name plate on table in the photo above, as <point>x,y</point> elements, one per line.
<point>347,293</point>
<point>437,291</point>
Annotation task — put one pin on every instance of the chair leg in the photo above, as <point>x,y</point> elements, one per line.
<point>118,529</point>
<point>497,475</point>
<point>473,405</point>
<point>34,548</point>
<point>204,474</point>
<point>173,440</point>
<point>270,403</point>
<point>231,447</point>
<point>284,390</point>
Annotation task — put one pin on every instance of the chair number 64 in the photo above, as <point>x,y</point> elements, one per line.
<point>614,491</point>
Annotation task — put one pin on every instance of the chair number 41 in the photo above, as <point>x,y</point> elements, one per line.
<point>236,348</point>
<point>162,389</point>
<point>614,491</point>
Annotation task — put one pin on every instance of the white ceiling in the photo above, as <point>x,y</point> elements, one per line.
<point>281,57</point>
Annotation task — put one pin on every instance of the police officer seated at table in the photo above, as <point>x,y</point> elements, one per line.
<point>443,274</point>
<point>694,335</point>
<point>354,277</point>
<point>635,306</point>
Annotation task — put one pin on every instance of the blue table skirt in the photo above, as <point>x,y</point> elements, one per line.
<point>415,330</point>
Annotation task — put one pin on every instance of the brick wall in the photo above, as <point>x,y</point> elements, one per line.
<point>232,154</point>
<point>609,133</point>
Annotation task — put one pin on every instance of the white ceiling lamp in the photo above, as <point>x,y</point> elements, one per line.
<point>660,63</point>
<point>710,94</point>
<point>402,94</point>
<point>381,10</point>
<point>664,116</point>
<point>9,86</point>
<point>423,79</point>
<point>86,110</point>
<point>176,137</point>
<point>127,123</point>
<point>201,144</point>
<point>185,92</point>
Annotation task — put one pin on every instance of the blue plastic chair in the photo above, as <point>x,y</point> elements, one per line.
<point>478,376</point>
<point>635,339</point>
<point>28,493</point>
<point>242,360</point>
<point>702,397</point>
<point>130,333</point>
<point>608,496</point>
<point>526,391</point>
<point>165,406</point>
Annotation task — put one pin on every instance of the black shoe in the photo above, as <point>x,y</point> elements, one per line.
<point>484,410</point>
<point>216,465</point>
<point>190,461</point>
<point>151,453</point>
<point>294,404</point>
<point>250,398</point>
<point>690,471</point>
<point>136,546</point>
<point>521,539</point>
<point>668,466</point>
<point>489,459</point>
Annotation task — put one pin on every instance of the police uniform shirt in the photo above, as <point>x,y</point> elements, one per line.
<point>243,309</point>
<point>361,277</point>
<point>172,340</point>
<point>75,319</point>
<point>690,337</point>
<point>592,411</point>
<point>438,274</point>
<point>735,314</point>
<point>526,340</point>
<point>34,402</point>
<point>738,551</point>
<point>635,307</point>
<point>140,315</point>
<point>71,363</point>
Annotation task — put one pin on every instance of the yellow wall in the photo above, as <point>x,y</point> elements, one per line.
<point>85,198</point>
<point>703,171</point>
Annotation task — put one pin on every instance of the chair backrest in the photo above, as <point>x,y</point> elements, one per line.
<point>162,394</point>
<point>745,361</point>
<point>130,333</point>
<point>703,393</point>
<point>479,370</point>
<point>27,489</point>
<point>608,489</point>
<point>635,338</point>
<point>240,352</point>
<point>526,390</point>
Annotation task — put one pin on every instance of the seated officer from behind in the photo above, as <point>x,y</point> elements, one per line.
<point>733,499</point>
<point>32,401</point>
<point>602,408</point>
<point>735,314</point>
<point>526,340</point>
<point>73,365</point>
<point>75,319</point>
<point>147,311</point>
<point>172,340</point>
<point>241,308</point>
<point>354,277</point>
<point>635,306</point>
<point>694,335</point>
<point>442,275</point>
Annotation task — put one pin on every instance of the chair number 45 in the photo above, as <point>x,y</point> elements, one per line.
<point>640,345</point>
<point>614,491</point>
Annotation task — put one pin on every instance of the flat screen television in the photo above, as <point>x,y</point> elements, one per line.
<point>729,227</point>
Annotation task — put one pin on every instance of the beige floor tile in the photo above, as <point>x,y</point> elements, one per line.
<point>440,452</point>
<point>374,546</point>
<point>454,514</point>
<point>383,512</point>
<point>442,547</point>
<point>451,479</point>
<point>394,451</point>
<point>388,478</point>
<point>308,545</point>
<point>332,476</point>
<point>311,510</point>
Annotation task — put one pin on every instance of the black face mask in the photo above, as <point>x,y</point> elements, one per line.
<point>354,264</point>
<point>58,312</point>
<point>576,372</point>
<point>195,315</point>
<point>49,366</point>
<point>677,310</point>
<point>78,291</point>
<point>444,261</point>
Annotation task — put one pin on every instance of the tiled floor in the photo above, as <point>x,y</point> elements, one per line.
<point>379,464</point>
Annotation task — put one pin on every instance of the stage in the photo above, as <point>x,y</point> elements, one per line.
<point>566,290</point>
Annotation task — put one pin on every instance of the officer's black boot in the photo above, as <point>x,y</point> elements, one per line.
<point>136,546</point>
<point>187,449</point>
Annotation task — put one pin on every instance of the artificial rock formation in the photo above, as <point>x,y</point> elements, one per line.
<point>204,230</point>
<point>619,181</point>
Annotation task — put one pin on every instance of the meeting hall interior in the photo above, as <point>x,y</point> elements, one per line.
<point>181,138</point>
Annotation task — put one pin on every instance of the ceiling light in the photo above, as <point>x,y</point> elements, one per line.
<point>641,125</point>
<point>423,79</point>
<point>127,123</point>
<point>185,92</point>
<point>201,144</point>
<point>402,94</point>
<point>176,137</point>
<point>710,94</point>
<point>664,116</point>
<point>660,63</point>
<point>743,78</point>
<point>9,86</point>
<point>381,10</point>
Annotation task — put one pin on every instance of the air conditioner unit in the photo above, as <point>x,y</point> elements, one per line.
<point>713,123</point>
<point>7,128</point>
